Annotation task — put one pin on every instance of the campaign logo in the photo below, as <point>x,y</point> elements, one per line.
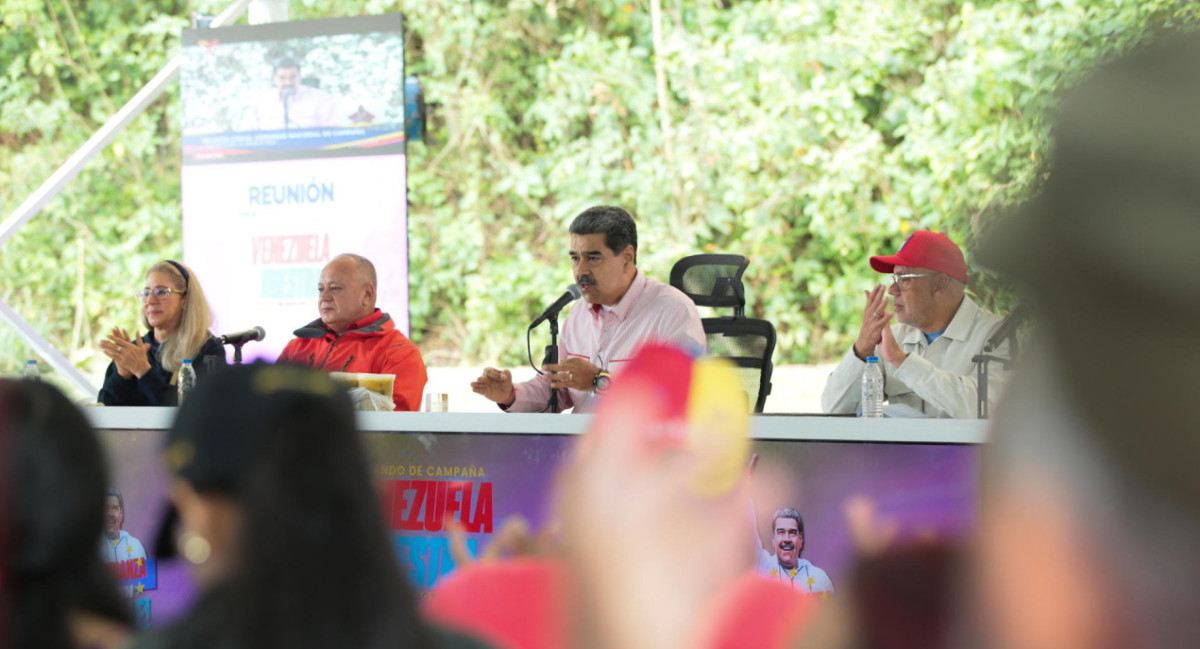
<point>420,513</point>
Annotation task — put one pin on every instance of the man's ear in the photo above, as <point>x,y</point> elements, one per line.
<point>942,282</point>
<point>369,293</point>
<point>629,255</point>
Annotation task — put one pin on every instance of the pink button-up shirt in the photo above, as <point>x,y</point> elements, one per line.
<point>607,338</point>
<point>306,108</point>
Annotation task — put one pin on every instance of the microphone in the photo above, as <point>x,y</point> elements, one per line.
<point>242,337</point>
<point>573,293</point>
<point>287,95</point>
<point>1007,329</point>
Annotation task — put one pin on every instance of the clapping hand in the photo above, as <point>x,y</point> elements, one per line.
<point>874,320</point>
<point>890,350</point>
<point>131,357</point>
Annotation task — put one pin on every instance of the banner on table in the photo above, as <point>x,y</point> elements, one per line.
<point>428,482</point>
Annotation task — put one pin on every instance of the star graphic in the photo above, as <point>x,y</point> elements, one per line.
<point>811,581</point>
<point>141,562</point>
<point>140,588</point>
<point>792,572</point>
<point>129,549</point>
<point>774,572</point>
<point>825,596</point>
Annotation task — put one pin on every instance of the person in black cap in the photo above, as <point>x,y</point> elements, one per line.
<point>1091,505</point>
<point>144,369</point>
<point>281,521</point>
<point>57,590</point>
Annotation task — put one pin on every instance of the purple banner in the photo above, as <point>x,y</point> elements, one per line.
<point>428,481</point>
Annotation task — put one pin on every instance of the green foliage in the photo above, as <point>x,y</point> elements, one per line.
<point>72,270</point>
<point>807,135</point>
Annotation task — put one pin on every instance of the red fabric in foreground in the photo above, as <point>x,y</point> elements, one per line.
<point>514,604</point>
<point>521,604</point>
<point>759,613</point>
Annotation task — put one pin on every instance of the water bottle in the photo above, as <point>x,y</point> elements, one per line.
<point>187,379</point>
<point>872,389</point>
<point>31,371</point>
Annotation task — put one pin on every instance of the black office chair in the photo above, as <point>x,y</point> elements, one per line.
<point>716,281</point>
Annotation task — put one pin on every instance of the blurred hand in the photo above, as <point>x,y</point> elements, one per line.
<point>870,533</point>
<point>648,555</point>
<point>513,538</point>
<point>874,320</point>
<point>496,385</point>
<point>130,356</point>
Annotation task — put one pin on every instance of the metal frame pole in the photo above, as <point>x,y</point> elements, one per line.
<point>43,348</point>
<point>69,170</point>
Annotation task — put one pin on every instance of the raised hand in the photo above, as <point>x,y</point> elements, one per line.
<point>496,385</point>
<point>874,320</point>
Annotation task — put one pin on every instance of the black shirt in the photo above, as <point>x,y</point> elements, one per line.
<point>155,388</point>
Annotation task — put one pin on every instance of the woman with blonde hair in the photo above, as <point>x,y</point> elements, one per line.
<point>144,369</point>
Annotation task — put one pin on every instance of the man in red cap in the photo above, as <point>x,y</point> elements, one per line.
<point>926,358</point>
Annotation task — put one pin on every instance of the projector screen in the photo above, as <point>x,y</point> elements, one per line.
<point>293,153</point>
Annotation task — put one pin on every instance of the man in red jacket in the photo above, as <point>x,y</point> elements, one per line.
<point>353,336</point>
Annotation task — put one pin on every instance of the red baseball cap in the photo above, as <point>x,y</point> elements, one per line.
<point>924,249</point>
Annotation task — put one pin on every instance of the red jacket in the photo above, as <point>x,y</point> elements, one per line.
<point>372,345</point>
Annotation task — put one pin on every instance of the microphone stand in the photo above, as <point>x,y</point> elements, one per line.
<point>551,356</point>
<point>287,96</point>
<point>237,353</point>
<point>1007,331</point>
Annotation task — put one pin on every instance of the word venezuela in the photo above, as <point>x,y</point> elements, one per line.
<point>425,505</point>
<point>418,512</point>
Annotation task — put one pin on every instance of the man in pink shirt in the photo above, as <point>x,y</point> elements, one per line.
<point>623,309</point>
<point>291,104</point>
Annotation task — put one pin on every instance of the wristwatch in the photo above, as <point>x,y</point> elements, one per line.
<point>601,382</point>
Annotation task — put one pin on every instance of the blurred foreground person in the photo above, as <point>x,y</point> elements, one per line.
<point>663,461</point>
<point>59,592</point>
<point>144,369</point>
<point>282,523</point>
<point>1092,510</point>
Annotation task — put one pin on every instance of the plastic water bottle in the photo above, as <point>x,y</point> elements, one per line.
<point>187,379</point>
<point>872,389</point>
<point>31,371</point>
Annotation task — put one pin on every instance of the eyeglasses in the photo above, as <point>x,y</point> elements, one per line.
<point>902,278</point>
<point>160,293</point>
